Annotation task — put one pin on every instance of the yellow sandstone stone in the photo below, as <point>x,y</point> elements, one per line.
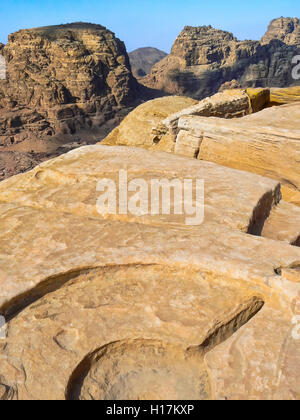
<point>281,96</point>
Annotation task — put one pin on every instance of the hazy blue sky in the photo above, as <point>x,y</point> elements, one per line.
<point>148,22</point>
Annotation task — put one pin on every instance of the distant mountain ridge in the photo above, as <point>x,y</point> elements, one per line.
<point>203,59</point>
<point>143,59</point>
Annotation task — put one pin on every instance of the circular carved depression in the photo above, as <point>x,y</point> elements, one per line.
<point>141,370</point>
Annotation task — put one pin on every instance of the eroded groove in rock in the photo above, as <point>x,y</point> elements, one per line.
<point>19,303</point>
<point>173,305</point>
<point>297,242</point>
<point>100,376</point>
<point>7,393</point>
<point>226,328</point>
<point>262,211</point>
<point>12,308</point>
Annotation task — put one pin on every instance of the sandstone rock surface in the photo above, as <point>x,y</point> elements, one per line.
<point>281,96</point>
<point>136,128</point>
<point>140,306</point>
<point>267,143</point>
<point>203,59</point>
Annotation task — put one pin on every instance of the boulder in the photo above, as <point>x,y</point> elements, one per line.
<point>136,128</point>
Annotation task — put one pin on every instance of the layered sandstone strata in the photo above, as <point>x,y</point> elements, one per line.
<point>242,132</point>
<point>267,143</point>
<point>280,96</point>
<point>155,123</point>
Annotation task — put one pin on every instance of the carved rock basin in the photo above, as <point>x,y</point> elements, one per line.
<point>143,370</point>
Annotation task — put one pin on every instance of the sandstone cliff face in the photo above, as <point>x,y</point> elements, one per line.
<point>67,64</point>
<point>203,59</point>
<point>62,80</point>
<point>286,30</point>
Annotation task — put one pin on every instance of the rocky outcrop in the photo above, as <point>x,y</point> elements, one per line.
<point>139,306</point>
<point>239,133</point>
<point>267,143</point>
<point>155,123</point>
<point>143,59</point>
<point>203,59</point>
<point>63,81</point>
<point>137,128</point>
<point>287,30</point>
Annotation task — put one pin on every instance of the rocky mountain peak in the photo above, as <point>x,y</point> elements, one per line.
<point>77,61</point>
<point>202,44</point>
<point>64,84</point>
<point>204,58</point>
<point>286,30</point>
